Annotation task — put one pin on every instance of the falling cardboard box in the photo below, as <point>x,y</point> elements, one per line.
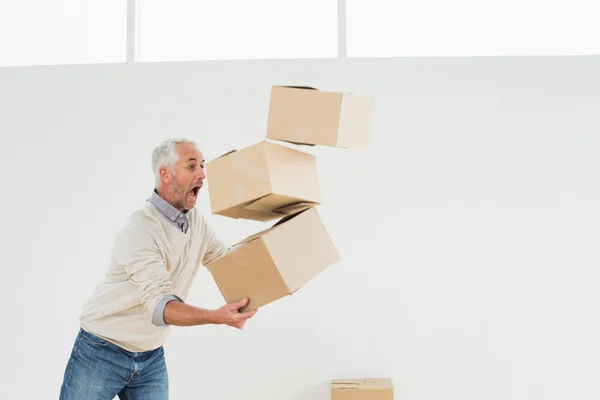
<point>305,115</point>
<point>362,389</point>
<point>263,182</point>
<point>275,262</point>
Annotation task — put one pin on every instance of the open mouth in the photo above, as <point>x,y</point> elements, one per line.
<point>194,192</point>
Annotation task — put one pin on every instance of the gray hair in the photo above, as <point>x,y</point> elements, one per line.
<point>165,155</point>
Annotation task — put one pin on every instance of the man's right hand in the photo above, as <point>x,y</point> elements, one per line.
<point>230,314</point>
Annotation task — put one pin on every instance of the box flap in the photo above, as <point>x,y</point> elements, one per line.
<point>249,239</point>
<point>297,209</point>
<point>345,385</point>
<point>263,232</point>
<point>290,216</point>
<point>264,203</point>
<point>294,208</point>
<point>359,384</point>
<point>296,143</point>
<point>298,87</point>
<point>272,204</point>
<point>253,215</point>
<point>223,155</point>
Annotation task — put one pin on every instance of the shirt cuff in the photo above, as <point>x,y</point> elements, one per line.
<point>158,318</point>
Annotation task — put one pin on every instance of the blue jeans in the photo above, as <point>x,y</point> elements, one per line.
<point>98,369</point>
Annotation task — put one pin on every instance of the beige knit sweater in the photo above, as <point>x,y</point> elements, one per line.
<point>150,259</point>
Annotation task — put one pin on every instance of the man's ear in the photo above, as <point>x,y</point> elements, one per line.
<point>166,176</point>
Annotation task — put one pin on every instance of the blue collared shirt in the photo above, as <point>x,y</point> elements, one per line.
<point>177,218</point>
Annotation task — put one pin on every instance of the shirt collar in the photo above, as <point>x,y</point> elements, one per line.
<point>161,204</point>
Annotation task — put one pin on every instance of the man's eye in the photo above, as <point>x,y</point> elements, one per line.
<point>192,166</point>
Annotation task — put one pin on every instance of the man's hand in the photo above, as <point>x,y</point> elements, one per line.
<point>182,314</point>
<point>230,314</point>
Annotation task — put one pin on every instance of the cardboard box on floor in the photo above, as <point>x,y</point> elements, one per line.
<point>362,389</point>
<point>305,115</point>
<point>263,182</point>
<point>275,262</point>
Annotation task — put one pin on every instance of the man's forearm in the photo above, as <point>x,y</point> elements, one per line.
<point>182,314</point>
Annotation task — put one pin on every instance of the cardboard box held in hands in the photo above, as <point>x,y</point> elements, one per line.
<point>362,389</point>
<point>263,182</point>
<point>305,115</point>
<point>275,262</point>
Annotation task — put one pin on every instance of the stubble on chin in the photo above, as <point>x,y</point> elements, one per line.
<point>179,200</point>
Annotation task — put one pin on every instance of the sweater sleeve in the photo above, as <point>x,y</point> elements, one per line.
<point>215,247</point>
<point>138,253</point>
<point>158,317</point>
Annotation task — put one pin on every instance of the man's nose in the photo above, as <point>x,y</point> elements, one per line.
<point>202,174</point>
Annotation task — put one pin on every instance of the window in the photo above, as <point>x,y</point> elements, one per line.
<point>36,32</point>
<point>380,28</point>
<point>239,29</point>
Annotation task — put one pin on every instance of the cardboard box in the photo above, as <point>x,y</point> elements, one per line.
<point>305,115</point>
<point>275,262</point>
<point>362,389</point>
<point>263,182</point>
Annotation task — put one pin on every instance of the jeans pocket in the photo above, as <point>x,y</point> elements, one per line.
<point>93,339</point>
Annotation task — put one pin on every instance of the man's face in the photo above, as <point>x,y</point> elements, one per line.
<point>188,178</point>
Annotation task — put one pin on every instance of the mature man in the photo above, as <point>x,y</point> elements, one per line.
<point>155,257</point>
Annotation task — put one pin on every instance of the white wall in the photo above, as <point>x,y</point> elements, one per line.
<point>468,231</point>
